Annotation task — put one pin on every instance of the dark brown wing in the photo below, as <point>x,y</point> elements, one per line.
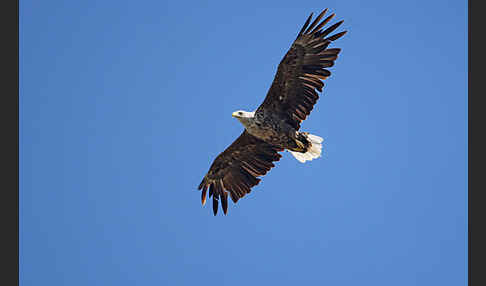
<point>236,169</point>
<point>300,73</point>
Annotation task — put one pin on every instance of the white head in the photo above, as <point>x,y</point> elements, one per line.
<point>244,117</point>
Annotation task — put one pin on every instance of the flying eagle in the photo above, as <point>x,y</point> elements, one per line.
<point>273,126</point>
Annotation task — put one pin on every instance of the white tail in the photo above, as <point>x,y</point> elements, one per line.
<point>313,152</point>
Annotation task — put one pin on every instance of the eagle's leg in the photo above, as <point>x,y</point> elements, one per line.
<point>308,147</point>
<point>299,142</point>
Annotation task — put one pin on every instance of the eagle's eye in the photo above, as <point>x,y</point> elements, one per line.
<point>240,113</point>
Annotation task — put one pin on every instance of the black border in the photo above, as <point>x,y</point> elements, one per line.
<point>471,197</point>
<point>468,132</point>
<point>468,139</point>
<point>475,267</point>
<point>10,135</point>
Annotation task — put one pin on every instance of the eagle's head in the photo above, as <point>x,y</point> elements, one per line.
<point>243,116</point>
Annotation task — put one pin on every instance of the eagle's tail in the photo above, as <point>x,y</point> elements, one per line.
<point>313,152</point>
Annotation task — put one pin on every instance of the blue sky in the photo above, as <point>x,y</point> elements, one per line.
<point>124,105</point>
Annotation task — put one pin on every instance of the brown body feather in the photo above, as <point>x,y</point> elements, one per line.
<point>291,98</point>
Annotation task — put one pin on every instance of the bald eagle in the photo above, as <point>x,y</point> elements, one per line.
<point>273,126</point>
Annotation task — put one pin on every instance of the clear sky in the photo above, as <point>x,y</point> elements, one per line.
<point>125,104</point>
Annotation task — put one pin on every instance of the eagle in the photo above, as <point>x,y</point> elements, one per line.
<point>274,126</point>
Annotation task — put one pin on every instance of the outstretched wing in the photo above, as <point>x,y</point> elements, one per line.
<point>300,73</point>
<point>236,169</point>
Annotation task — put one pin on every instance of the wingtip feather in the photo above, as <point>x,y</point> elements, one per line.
<point>305,24</point>
<point>337,36</point>
<point>316,21</point>
<point>224,203</point>
<point>203,195</point>
<point>215,205</point>
<point>323,23</point>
